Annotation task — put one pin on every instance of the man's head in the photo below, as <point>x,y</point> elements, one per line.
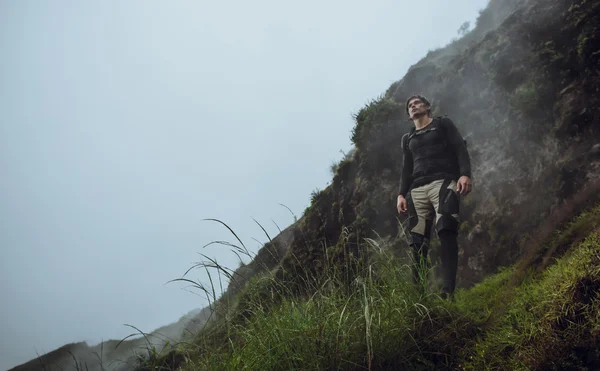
<point>417,106</point>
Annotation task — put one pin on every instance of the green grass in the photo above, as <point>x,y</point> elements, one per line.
<point>550,322</point>
<point>547,320</point>
<point>379,322</point>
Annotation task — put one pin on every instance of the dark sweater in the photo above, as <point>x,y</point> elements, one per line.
<point>435,152</point>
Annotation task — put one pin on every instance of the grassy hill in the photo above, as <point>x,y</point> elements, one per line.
<point>536,314</point>
<point>334,293</point>
<point>331,292</point>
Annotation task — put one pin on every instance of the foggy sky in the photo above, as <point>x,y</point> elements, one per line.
<point>123,124</point>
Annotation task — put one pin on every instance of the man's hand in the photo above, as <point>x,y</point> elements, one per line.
<point>402,204</point>
<point>464,185</point>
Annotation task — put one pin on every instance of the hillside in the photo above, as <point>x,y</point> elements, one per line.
<point>522,88</point>
<point>529,316</point>
<point>330,291</point>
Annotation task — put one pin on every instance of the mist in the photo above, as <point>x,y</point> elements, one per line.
<point>123,125</point>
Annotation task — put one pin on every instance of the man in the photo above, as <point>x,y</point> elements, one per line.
<point>436,172</point>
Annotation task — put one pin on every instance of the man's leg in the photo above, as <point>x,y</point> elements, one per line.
<point>419,249</point>
<point>420,214</point>
<point>446,203</point>
<point>449,254</point>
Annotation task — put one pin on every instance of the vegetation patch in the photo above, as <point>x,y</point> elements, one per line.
<point>379,320</point>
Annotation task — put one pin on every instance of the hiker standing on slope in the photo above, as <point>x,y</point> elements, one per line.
<point>435,173</point>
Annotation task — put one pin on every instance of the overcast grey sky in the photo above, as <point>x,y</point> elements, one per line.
<point>124,123</point>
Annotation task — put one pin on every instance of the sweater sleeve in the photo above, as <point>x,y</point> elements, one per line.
<point>407,169</point>
<point>458,145</point>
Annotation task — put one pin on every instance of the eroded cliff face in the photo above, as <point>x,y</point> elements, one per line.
<point>526,97</point>
<point>523,89</point>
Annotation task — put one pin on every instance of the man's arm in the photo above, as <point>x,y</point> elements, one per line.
<point>458,145</point>
<point>407,169</point>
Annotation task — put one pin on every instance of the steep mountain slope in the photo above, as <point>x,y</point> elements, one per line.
<point>523,88</point>
<point>525,95</point>
<point>363,193</point>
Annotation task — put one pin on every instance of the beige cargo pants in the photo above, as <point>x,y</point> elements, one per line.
<point>434,204</point>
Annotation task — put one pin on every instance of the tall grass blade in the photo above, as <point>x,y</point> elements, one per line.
<point>232,232</point>
<point>263,229</point>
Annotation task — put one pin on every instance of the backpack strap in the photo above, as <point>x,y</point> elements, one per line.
<point>406,138</point>
<point>405,141</point>
<point>441,118</point>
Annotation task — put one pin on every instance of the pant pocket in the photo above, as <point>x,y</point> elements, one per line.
<point>449,202</point>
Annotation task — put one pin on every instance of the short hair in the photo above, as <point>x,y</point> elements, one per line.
<point>422,99</point>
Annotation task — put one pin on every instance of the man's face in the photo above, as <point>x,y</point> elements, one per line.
<point>416,108</point>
